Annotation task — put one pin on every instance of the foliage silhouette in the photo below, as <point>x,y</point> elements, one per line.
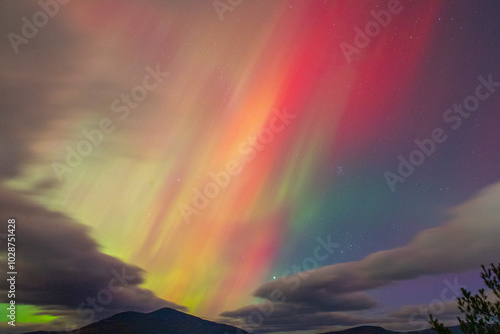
<point>482,316</point>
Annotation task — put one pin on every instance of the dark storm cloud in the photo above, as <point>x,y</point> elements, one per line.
<point>468,239</point>
<point>24,83</point>
<point>60,265</point>
<point>341,302</point>
<point>40,85</point>
<point>315,299</point>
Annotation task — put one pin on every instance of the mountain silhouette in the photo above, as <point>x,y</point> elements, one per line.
<point>380,330</point>
<point>162,321</point>
<point>170,321</point>
<point>364,330</point>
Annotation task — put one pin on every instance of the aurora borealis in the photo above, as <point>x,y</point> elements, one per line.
<point>206,146</point>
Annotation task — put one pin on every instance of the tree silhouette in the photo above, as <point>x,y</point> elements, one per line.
<point>482,316</point>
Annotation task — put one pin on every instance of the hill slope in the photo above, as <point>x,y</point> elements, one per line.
<point>380,330</point>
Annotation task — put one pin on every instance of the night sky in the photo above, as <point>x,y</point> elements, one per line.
<point>279,165</point>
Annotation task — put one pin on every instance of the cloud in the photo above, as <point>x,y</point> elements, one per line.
<point>467,240</point>
<point>59,266</point>
<point>343,302</point>
<point>284,319</point>
<point>30,73</point>
<point>46,87</point>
